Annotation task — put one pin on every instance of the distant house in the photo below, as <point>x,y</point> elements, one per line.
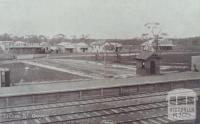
<point>52,49</point>
<point>46,46</point>
<point>185,44</point>
<point>163,45</point>
<point>112,47</point>
<point>5,45</point>
<point>19,43</point>
<point>102,46</point>
<point>27,50</point>
<point>20,47</point>
<point>66,47</point>
<point>97,47</point>
<point>82,47</point>
<point>166,44</point>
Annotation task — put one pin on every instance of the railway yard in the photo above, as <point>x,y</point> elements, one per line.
<point>70,91</point>
<point>100,62</point>
<point>133,109</point>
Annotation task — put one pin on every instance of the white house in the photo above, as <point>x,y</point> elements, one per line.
<point>19,43</point>
<point>103,46</point>
<point>45,44</point>
<point>5,45</point>
<point>82,47</point>
<point>66,47</point>
<point>112,47</point>
<point>20,47</point>
<point>166,44</point>
<point>97,47</point>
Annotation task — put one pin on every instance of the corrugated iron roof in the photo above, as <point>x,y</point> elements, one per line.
<point>82,45</point>
<point>66,45</point>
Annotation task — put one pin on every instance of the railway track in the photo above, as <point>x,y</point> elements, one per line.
<point>65,116</point>
<point>77,103</point>
<point>146,106</point>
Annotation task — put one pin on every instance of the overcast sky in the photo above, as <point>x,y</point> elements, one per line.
<point>99,18</point>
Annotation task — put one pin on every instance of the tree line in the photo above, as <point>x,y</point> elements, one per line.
<point>42,38</point>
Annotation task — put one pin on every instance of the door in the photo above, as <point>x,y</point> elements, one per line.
<point>152,67</point>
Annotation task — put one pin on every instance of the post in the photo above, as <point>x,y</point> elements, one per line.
<point>7,77</point>
<point>102,92</point>
<point>156,41</point>
<point>80,95</point>
<point>105,64</point>
<point>0,79</point>
<point>197,111</point>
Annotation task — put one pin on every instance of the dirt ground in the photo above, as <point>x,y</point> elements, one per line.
<point>21,73</point>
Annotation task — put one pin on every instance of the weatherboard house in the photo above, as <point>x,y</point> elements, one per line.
<point>163,45</point>
<point>147,63</point>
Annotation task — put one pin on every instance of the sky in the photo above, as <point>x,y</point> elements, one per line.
<point>99,18</point>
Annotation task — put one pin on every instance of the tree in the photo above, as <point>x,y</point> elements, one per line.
<point>114,47</point>
<point>42,38</point>
<point>57,39</point>
<point>154,32</point>
<point>32,38</point>
<point>5,37</point>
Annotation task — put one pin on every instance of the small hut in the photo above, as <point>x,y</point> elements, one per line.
<point>147,63</point>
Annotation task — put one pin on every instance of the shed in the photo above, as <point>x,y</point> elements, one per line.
<point>148,63</point>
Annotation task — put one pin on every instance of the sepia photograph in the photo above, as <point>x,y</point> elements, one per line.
<point>99,61</point>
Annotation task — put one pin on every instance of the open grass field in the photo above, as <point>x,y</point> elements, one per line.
<point>92,69</point>
<point>21,73</point>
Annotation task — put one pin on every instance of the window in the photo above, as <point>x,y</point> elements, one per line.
<point>181,100</point>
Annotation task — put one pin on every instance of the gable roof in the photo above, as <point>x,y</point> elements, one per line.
<point>67,45</point>
<point>146,55</point>
<point>112,44</point>
<point>97,43</point>
<point>82,45</point>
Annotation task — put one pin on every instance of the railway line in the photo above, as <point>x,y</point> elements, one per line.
<point>143,108</point>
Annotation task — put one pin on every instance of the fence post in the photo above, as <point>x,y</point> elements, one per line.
<point>197,111</point>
